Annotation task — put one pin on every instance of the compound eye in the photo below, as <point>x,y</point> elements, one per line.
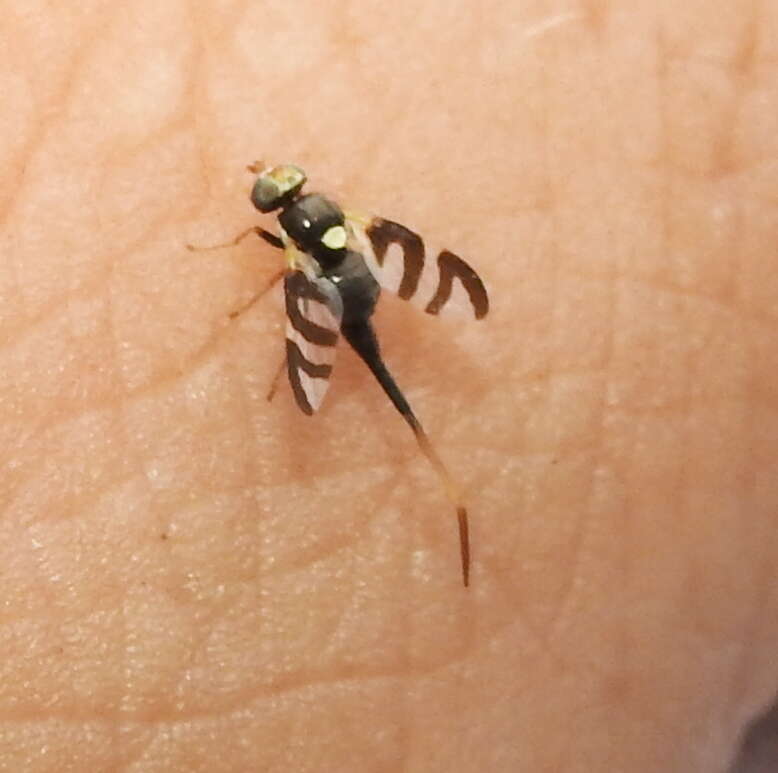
<point>275,185</point>
<point>266,194</point>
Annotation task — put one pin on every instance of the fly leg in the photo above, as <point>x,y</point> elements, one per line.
<point>270,238</point>
<point>274,280</point>
<point>271,393</point>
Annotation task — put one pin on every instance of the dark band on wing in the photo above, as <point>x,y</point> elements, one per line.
<point>451,266</point>
<point>382,233</point>
<point>296,362</point>
<point>297,286</point>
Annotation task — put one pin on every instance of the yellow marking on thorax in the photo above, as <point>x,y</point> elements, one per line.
<point>335,238</point>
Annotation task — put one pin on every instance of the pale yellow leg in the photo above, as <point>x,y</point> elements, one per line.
<point>276,380</point>
<point>269,286</point>
<point>232,243</point>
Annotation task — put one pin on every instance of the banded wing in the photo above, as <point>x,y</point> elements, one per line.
<point>313,312</point>
<point>398,259</point>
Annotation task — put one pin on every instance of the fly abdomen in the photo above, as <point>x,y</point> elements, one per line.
<point>356,286</point>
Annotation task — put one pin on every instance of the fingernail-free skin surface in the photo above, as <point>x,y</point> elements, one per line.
<point>195,579</point>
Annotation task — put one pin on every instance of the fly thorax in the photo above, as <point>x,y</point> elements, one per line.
<point>316,225</point>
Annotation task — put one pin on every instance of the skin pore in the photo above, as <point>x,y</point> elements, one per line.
<point>195,579</point>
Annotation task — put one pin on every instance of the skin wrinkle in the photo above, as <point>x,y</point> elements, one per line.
<point>724,151</point>
<point>549,24</point>
<point>683,482</point>
<point>742,683</point>
<point>738,698</point>
<point>238,702</point>
<point>564,604</point>
<point>454,661</point>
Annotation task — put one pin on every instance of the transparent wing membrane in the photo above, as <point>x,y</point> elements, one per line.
<point>436,281</point>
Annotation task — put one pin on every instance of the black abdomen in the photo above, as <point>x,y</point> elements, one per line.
<point>356,286</point>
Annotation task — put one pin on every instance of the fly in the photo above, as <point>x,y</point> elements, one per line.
<point>336,264</point>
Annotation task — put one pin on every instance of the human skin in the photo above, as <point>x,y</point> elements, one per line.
<point>196,579</point>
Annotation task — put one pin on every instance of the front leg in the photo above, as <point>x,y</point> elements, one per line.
<point>270,238</point>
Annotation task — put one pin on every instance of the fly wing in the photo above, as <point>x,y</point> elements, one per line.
<point>313,313</point>
<point>398,259</point>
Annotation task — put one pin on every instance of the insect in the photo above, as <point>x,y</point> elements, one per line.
<point>336,264</point>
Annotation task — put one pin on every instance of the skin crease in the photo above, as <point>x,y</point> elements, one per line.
<point>195,579</point>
